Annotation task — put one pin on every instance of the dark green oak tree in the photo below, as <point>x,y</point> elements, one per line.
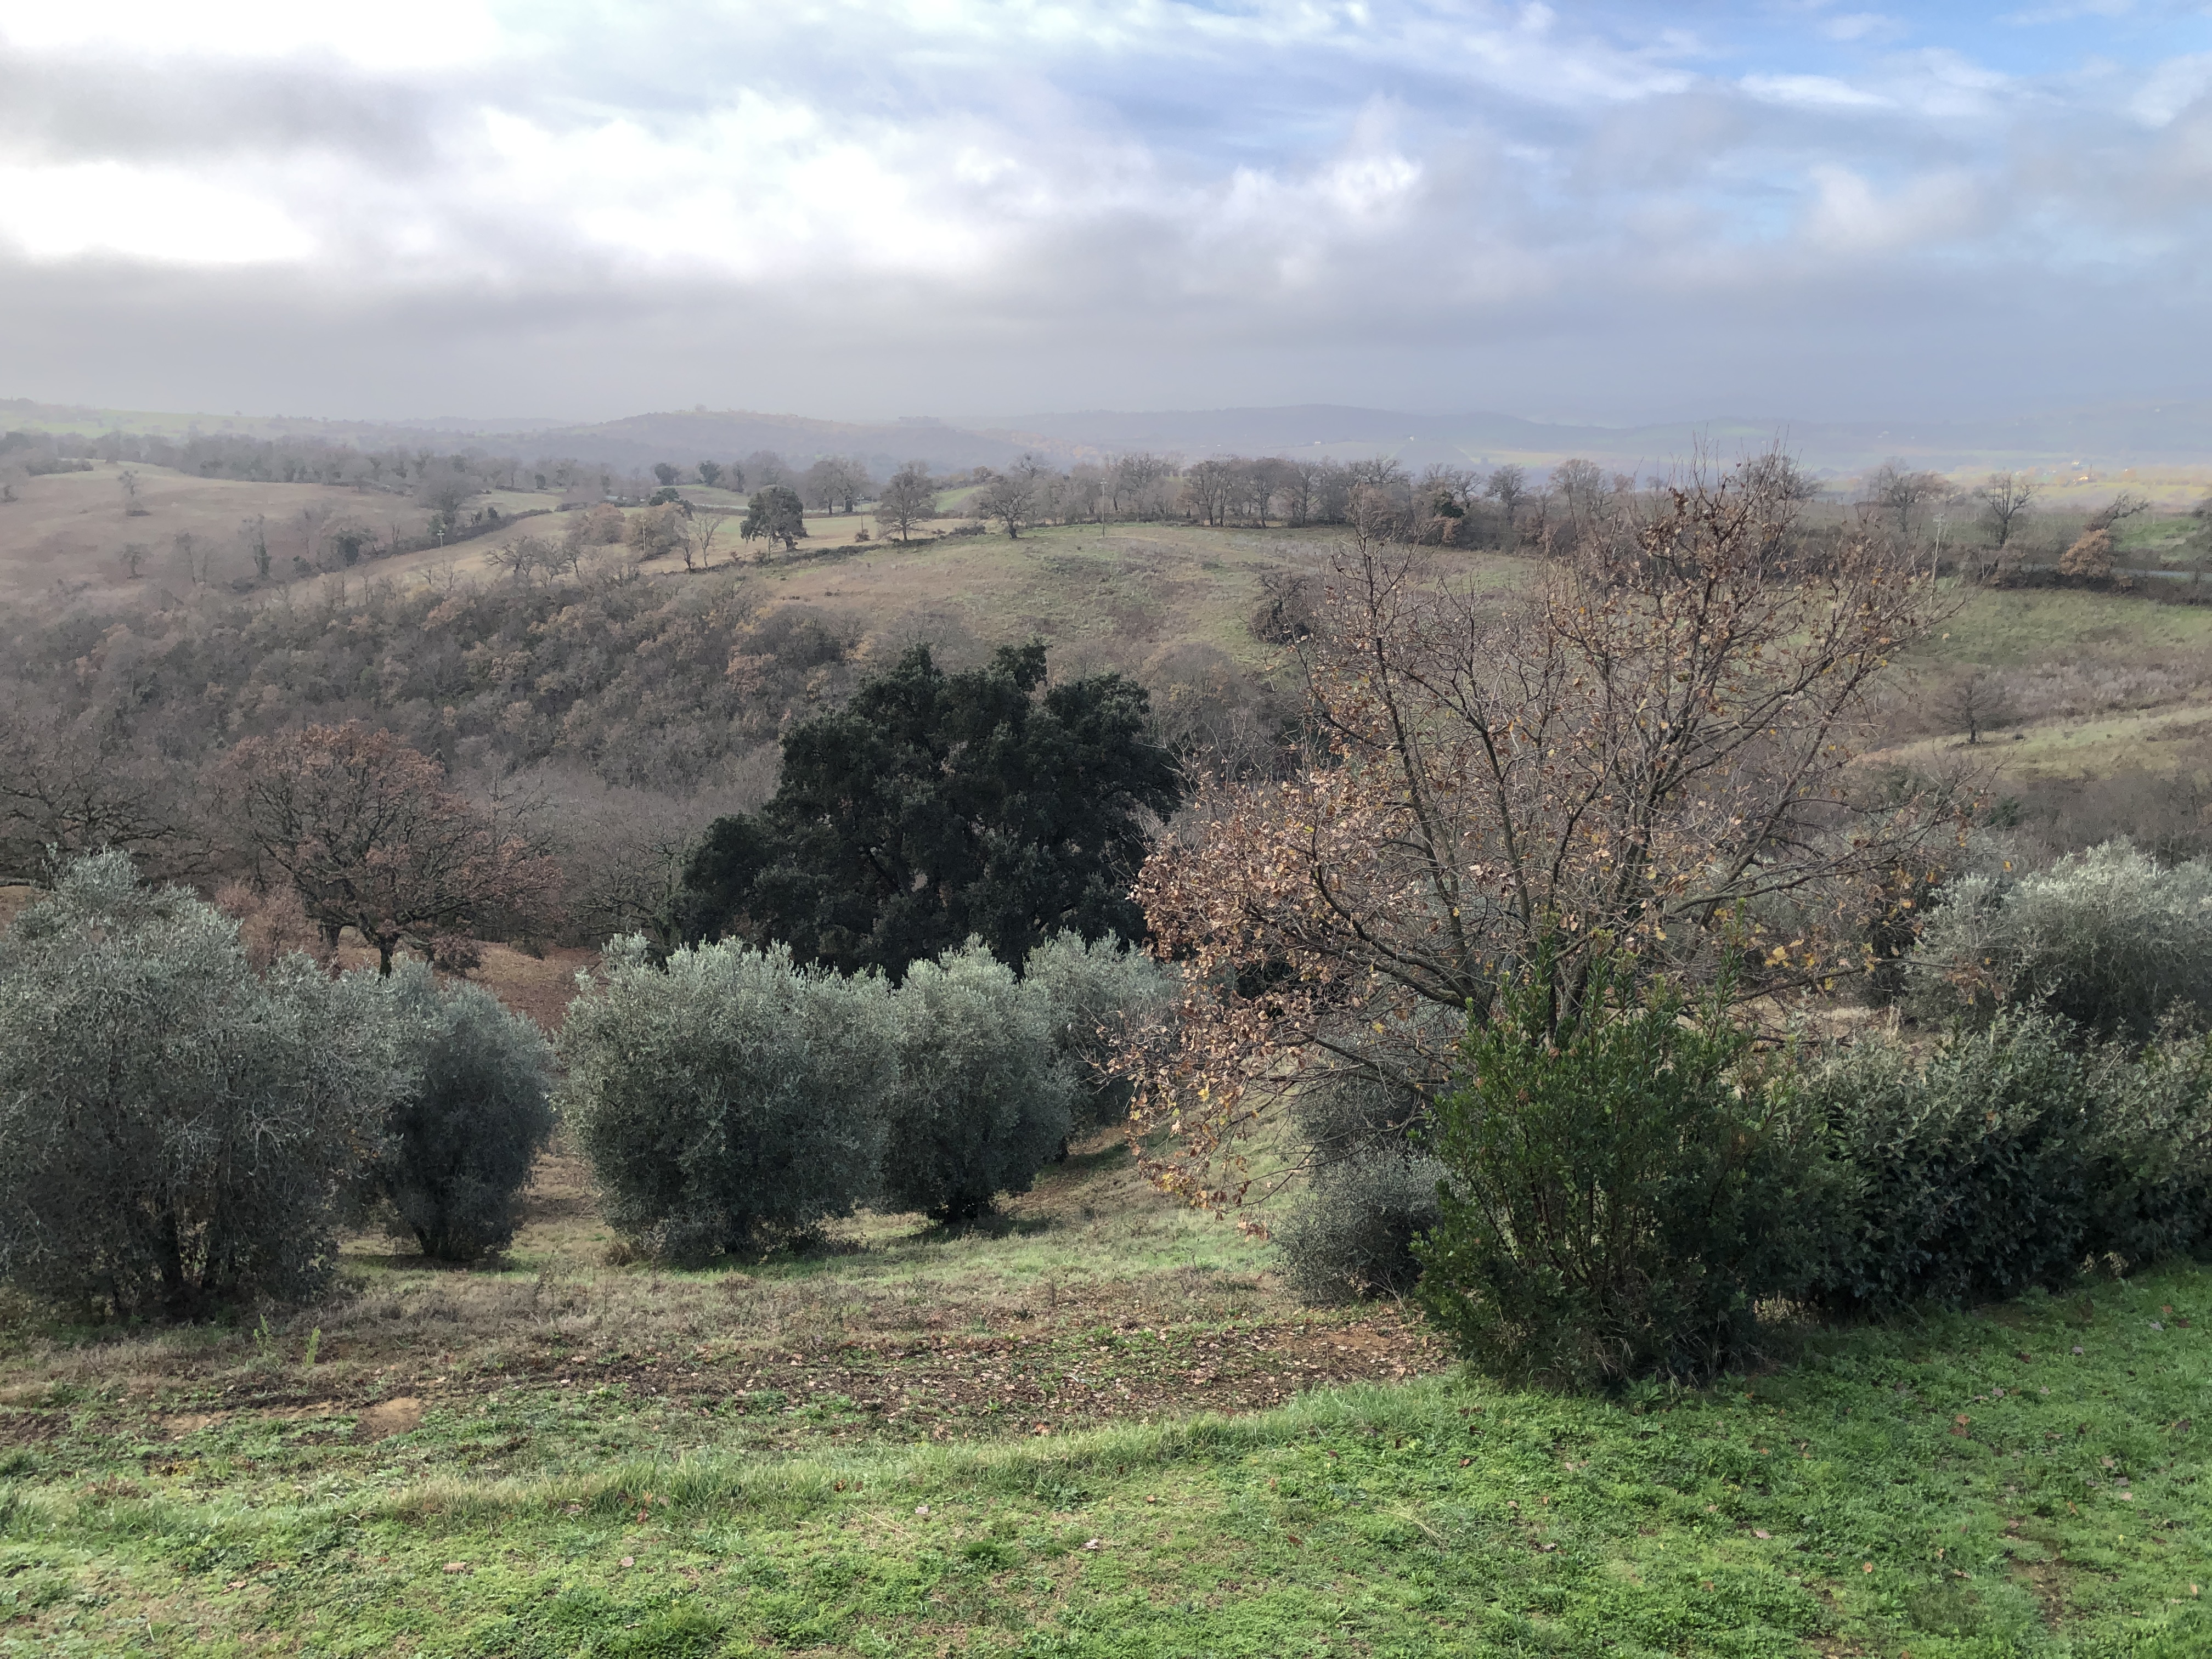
<point>935,805</point>
<point>775,514</point>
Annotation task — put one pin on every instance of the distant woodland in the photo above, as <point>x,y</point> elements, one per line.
<point>602,713</point>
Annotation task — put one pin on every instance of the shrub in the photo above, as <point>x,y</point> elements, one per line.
<point>1352,1113</point>
<point>176,1131</point>
<point>2107,939</point>
<point>1103,996</point>
<point>2151,1157</point>
<point>983,1099</point>
<point>1352,1235</point>
<point>471,1119</point>
<point>1619,1196</point>
<point>730,1098</point>
<point>2003,1160</point>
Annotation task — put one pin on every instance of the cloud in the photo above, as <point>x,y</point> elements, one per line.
<point>2069,13</point>
<point>159,215</point>
<point>1849,216</point>
<point>1819,91</point>
<point>2171,89</point>
<point>1861,25</point>
<point>846,206</point>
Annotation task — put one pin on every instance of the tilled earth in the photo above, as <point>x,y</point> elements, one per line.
<point>904,1387</point>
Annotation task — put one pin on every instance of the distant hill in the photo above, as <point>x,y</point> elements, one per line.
<point>636,441</point>
<point>705,435</point>
<point>2103,437</point>
<point>2110,436</point>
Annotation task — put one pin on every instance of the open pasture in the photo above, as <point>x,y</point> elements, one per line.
<point>1094,1428</point>
<point>65,537</point>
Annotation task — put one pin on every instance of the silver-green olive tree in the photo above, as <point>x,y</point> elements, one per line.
<point>984,1097</point>
<point>176,1131</point>
<point>1104,998</point>
<point>471,1118</point>
<point>729,1097</point>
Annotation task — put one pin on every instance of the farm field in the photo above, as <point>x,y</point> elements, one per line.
<point>1096,1427</point>
<point>64,537</point>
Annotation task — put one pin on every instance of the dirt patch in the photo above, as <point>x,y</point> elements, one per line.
<point>29,1428</point>
<point>388,1418</point>
<point>178,1425</point>
<point>14,901</point>
<point>560,1189</point>
<point>541,987</point>
<point>1060,1380</point>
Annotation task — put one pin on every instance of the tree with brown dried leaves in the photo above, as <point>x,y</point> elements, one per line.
<point>370,836</point>
<point>1650,754</point>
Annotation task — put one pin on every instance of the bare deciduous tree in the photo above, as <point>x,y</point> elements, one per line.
<point>1010,496</point>
<point>2125,505</point>
<point>254,537</point>
<point>2005,499</point>
<point>1897,494</point>
<point>1650,754</point>
<point>75,786</point>
<point>370,836</point>
<point>1508,487</point>
<point>1975,701</point>
<point>907,500</point>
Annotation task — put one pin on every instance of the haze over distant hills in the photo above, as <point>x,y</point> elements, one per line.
<point>2102,437</point>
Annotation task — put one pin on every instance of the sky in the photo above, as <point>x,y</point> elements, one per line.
<point>1600,212</point>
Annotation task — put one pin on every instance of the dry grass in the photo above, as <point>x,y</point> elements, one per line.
<point>922,1326</point>
<point>64,537</point>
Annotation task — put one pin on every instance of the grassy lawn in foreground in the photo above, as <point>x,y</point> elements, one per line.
<point>2021,1480</point>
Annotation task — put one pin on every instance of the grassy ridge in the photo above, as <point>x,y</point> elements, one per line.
<point>1967,1486</point>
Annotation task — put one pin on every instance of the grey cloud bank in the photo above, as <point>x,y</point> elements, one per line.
<point>1618,215</point>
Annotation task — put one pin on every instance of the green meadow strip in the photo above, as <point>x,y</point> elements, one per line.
<point>1951,1487</point>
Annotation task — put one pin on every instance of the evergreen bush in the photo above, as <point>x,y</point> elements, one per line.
<point>1621,1191</point>
<point>1352,1235</point>
<point>2007,1157</point>
<point>984,1098</point>
<point>2108,938</point>
<point>471,1119</point>
<point>176,1132</point>
<point>1103,996</point>
<point>729,1097</point>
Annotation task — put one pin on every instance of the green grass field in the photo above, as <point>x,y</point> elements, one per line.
<point>2011,628</point>
<point>1098,1427</point>
<point>1967,1486</point>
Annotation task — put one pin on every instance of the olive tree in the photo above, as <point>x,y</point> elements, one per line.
<point>729,1097</point>
<point>983,1097</point>
<point>176,1131</point>
<point>2108,938</point>
<point>1104,998</point>
<point>473,1115</point>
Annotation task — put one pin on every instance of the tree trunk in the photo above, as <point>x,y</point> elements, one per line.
<point>176,1294</point>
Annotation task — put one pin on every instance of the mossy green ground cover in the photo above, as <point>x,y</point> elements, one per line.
<point>1962,1486</point>
<point>2011,628</point>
